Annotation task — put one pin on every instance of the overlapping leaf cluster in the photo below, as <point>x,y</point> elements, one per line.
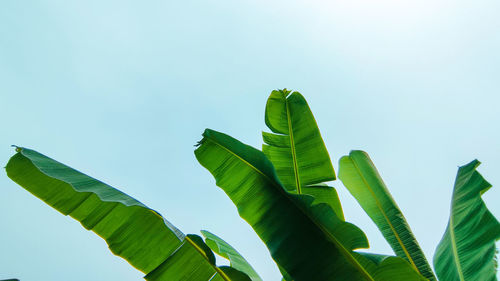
<point>283,193</point>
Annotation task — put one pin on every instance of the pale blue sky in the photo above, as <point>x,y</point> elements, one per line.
<point>122,90</point>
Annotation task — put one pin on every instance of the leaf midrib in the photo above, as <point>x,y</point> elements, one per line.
<point>456,258</point>
<point>292,148</point>
<point>328,234</point>
<point>454,249</point>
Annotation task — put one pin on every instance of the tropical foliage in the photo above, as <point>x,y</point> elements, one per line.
<point>282,192</point>
<point>133,231</point>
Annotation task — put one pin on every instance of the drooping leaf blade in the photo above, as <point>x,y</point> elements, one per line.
<point>308,241</point>
<point>467,250</point>
<point>132,231</point>
<point>188,262</point>
<point>325,194</point>
<point>296,148</point>
<point>203,247</point>
<point>222,248</point>
<point>361,178</point>
<point>233,274</point>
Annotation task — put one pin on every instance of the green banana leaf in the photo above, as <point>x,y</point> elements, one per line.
<point>296,148</point>
<point>133,231</point>
<point>223,249</point>
<point>361,178</point>
<point>467,250</point>
<point>307,240</point>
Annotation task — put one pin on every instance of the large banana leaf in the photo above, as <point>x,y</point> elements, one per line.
<point>467,250</point>
<point>308,241</point>
<point>223,249</point>
<point>133,231</point>
<point>361,178</point>
<point>296,148</point>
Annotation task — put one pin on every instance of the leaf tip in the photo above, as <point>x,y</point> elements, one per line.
<point>357,152</point>
<point>17,148</point>
<point>198,143</point>
<point>285,92</point>
<point>471,165</point>
<point>205,134</point>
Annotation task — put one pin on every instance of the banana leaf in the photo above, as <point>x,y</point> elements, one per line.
<point>467,250</point>
<point>296,147</point>
<point>132,231</point>
<point>307,240</point>
<point>223,249</point>
<point>361,178</point>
